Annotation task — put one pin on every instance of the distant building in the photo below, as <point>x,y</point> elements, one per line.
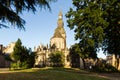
<point>57,43</point>
<point>114,61</point>
<point>3,61</point>
<point>9,48</point>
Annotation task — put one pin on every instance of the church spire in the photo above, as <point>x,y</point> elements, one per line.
<point>60,19</point>
<point>60,15</point>
<point>59,37</point>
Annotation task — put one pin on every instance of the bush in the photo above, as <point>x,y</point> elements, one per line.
<point>103,67</point>
<point>57,59</point>
<point>14,66</point>
<point>24,65</point>
<point>57,65</point>
<point>20,65</point>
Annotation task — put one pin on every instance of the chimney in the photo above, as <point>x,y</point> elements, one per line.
<point>1,48</point>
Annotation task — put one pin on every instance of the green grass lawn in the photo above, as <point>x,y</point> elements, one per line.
<point>49,74</point>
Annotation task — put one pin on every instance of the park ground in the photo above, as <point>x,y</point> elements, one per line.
<point>55,74</point>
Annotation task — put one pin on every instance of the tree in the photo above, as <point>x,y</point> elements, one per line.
<point>32,59</point>
<point>94,21</point>
<point>57,58</point>
<point>112,40</point>
<point>20,56</point>
<point>88,26</point>
<point>76,53</point>
<point>112,32</point>
<point>17,51</point>
<point>10,10</point>
<point>96,24</point>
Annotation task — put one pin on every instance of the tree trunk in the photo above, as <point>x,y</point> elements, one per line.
<point>84,66</point>
<point>81,64</point>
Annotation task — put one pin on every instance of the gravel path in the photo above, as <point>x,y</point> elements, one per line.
<point>111,76</point>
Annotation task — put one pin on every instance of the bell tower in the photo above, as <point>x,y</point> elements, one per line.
<point>59,37</point>
<point>61,25</point>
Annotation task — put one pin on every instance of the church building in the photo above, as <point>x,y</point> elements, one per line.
<point>59,37</point>
<point>57,41</point>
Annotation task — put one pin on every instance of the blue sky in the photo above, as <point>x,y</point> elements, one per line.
<point>40,27</point>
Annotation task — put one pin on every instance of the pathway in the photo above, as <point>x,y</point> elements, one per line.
<point>111,76</point>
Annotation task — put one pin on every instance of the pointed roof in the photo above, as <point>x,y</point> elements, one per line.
<point>60,13</point>
<point>57,34</point>
<point>59,31</point>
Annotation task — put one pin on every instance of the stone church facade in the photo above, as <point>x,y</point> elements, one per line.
<point>57,43</point>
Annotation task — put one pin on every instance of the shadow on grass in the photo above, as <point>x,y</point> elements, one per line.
<point>48,74</point>
<point>71,70</point>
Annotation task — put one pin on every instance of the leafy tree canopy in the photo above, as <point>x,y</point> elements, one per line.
<point>57,58</point>
<point>77,49</point>
<point>17,51</point>
<point>96,24</point>
<point>22,57</point>
<point>10,10</point>
<point>112,32</point>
